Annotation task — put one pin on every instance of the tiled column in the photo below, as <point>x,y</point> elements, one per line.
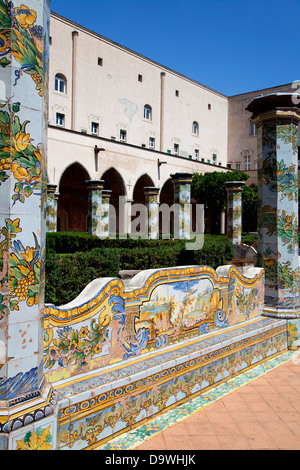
<point>95,188</point>
<point>276,118</point>
<point>51,208</point>
<point>151,196</point>
<point>105,211</point>
<point>27,401</point>
<point>234,211</point>
<point>182,200</point>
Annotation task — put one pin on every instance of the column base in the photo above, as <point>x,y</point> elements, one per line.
<point>282,313</point>
<point>292,315</point>
<point>27,409</point>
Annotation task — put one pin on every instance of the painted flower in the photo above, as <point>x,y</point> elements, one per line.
<point>86,351</point>
<point>72,346</point>
<point>25,17</point>
<point>98,349</point>
<point>20,173</point>
<point>3,44</point>
<point>83,332</point>
<point>53,353</point>
<point>22,141</point>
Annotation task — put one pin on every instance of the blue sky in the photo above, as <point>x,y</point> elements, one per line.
<point>232,46</point>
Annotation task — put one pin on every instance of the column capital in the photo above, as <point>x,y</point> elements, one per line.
<point>151,190</point>
<point>95,184</point>
<point>234,185</point>
<point>51,188</point>
<point>182,178</point>
<point>275,106</point>
<point>106,193</point>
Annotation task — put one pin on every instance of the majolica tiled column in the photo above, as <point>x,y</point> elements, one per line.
<point>182,199</point>
<point>151,196</point>
<point>51,208</point>
<point>95,188</point>
<point>27,401</point>
<point>234,211</point>
<point>276,118</point>
<point>105,212</point>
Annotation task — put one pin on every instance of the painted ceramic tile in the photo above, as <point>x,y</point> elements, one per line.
<point>278,215</point>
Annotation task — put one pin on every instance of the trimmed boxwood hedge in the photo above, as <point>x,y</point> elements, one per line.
<point>75,259</point>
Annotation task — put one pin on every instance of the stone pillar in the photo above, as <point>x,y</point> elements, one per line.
<point>27,400</point>
<point>276,118</point>
<point>105,213</point>
<point>151,196</point>
<point>51,208</point>
<point>182,200</point>
<point>95,188</point>
<point>234,211</point>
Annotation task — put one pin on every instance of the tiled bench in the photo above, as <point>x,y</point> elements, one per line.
<point>105,403</point>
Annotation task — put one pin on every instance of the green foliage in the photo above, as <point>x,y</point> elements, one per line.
<point>68,274</point>
<point>209,189</point>
<point>87,258</point>
<point>71,242</point>
<point>250,199</point>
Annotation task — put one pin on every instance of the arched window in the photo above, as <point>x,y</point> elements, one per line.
<point>195,128</point>
<point>147,112</point>
<point>60,83</point>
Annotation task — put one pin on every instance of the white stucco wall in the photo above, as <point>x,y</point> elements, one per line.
<point>111,95</point>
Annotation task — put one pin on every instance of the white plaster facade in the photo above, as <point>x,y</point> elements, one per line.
<point>187,126</point>
<point>112,96</point>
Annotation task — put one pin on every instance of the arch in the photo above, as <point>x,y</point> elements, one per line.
<point>167,197</point>
<point>138,192</point>
<point>148,112</point>
<point>60,83</point>
<point>114,182</point>
<point>195,128</point>
<point>72,210</point>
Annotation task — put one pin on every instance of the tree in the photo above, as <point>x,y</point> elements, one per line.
<point>209,189</point>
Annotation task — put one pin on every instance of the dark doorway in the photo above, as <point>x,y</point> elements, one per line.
<point>167,198</point>
<point>114,182</point>
<point>72,211</point>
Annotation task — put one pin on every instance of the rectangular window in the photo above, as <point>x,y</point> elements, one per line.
<point>214,158</point>
<point>95,128</point>
<point>209,106</point>
<point>140,78</point>
<point>176,92</point>
<point>122,135</point>
<point>60,120</point>
<point>176,149</point>
<point>252,129</point>
<point>147,113</point>
<point>151,143</point>
<point>238,166</point>
<point>196,154</point>
<point>100,61</point>
<point>59,84</point>
<point>247,162</point>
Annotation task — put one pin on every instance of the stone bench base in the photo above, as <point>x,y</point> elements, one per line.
<point>94,408</point>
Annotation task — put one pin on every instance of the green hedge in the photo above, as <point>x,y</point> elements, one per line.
<point>86,258</point>
<point>71,242</point>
